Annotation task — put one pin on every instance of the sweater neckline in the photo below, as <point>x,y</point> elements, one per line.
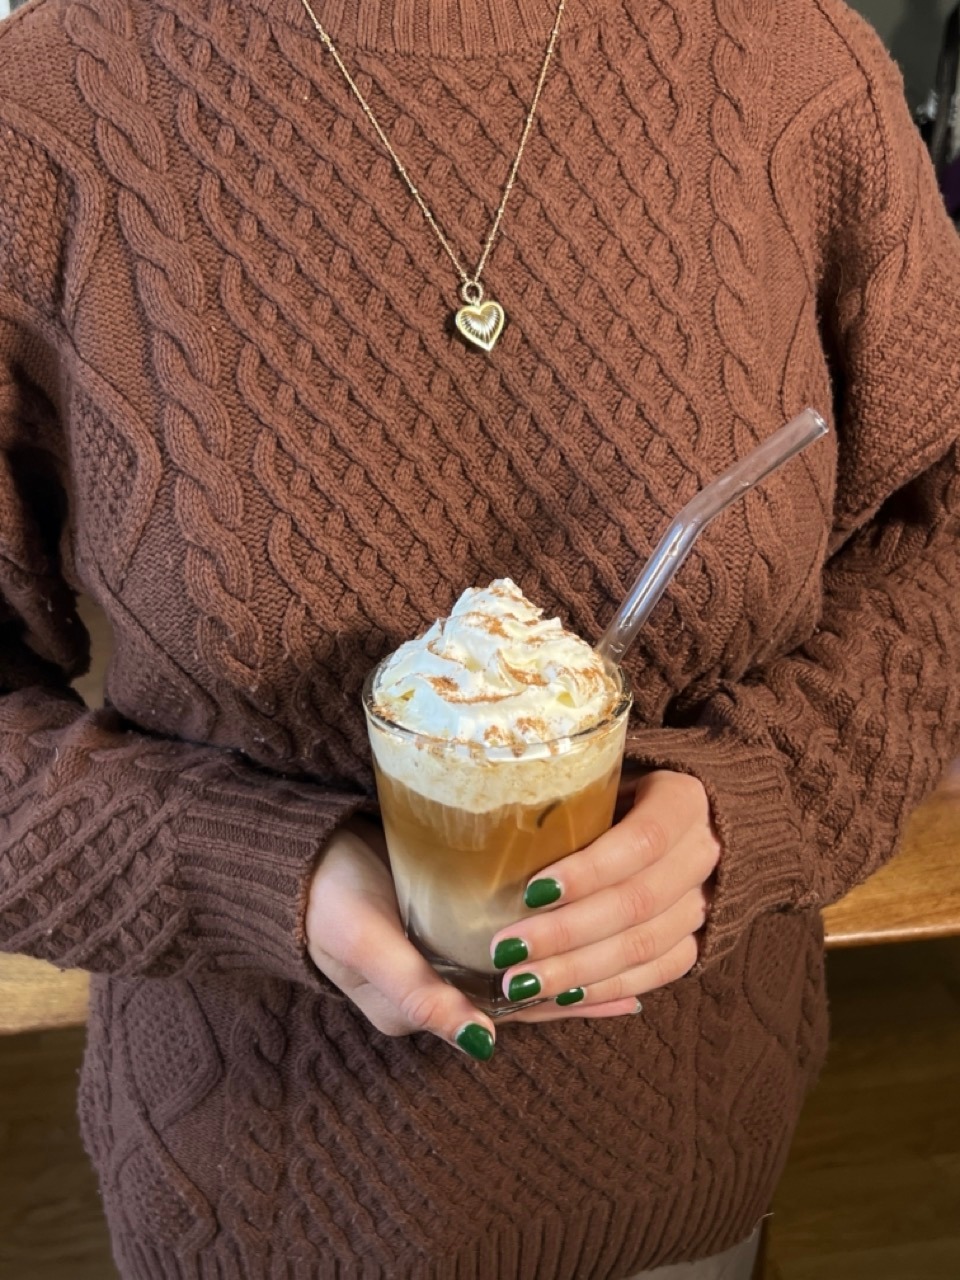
<point>443,28</point>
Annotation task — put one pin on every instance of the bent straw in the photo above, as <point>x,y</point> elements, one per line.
<point>677,542</point>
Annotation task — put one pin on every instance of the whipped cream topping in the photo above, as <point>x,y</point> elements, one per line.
<point>496,673</point>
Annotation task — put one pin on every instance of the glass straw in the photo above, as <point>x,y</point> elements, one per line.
<point>677,542</point>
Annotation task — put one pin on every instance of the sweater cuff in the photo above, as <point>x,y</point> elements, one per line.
<point>245,856</point>
<point>752,807</point>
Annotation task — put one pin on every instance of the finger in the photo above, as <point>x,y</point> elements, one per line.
<point>666,807</point>
<point>627,953</point>
<point>612,911</point>
<point>677,962</point>
<point>552,1012</point>
<point>407,985</point>
<point>364,950</point>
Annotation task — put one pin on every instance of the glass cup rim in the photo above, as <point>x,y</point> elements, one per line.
<point>548,746</point>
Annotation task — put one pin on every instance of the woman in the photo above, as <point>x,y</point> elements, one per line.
<point>237,410</point>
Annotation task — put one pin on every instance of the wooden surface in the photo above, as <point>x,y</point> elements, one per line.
<point>51,1223</point>
<point>917,894</point>
<point>34,995</point>
<point>872,1187</point>
<point>871,1190</point>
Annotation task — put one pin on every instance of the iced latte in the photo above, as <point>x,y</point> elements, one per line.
<point>497,739</point>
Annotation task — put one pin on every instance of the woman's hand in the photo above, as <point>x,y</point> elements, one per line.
<point>623,913</point>
<point>624,923</point>
<point>355,937</point>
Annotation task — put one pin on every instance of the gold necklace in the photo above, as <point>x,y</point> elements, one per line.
<point>480,322</point>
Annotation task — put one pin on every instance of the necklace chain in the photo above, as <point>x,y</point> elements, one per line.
<point>471,289</point>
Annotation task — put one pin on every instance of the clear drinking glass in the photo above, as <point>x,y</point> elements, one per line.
<point>467,826</point>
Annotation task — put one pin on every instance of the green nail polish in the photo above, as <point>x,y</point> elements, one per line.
<point>523,986</point>
<point>573,996</point>
<point>476,1041</point>
<point>509,951</point>
<point>540,893</point>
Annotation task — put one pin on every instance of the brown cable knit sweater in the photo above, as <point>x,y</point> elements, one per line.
<point>232,409</point>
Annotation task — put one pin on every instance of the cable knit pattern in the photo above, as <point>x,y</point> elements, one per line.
<point>209,497</point>
<point>233,408</point>
<point>33,195</point>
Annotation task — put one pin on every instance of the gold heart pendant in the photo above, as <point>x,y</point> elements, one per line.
<point>481,325</point>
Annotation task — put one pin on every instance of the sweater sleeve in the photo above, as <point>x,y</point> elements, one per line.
<point>813,762</point>
<point>121,852</point>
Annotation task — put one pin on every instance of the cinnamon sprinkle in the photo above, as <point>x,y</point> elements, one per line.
<point>523,675</point>
<point>448,689</point>
<point>486,622</point>
<point>442,684</point>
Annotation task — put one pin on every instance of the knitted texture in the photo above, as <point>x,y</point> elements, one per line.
<point>234,410</point>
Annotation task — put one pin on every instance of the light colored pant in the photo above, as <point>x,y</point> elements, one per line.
<point>735,1264</point>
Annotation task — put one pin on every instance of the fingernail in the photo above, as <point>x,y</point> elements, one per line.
<point>540,893</point>
<point>639,1008</point>
<point>573,996</point>
<point>522,986</point>
<point>476,1041</point>
<point>509,951</point>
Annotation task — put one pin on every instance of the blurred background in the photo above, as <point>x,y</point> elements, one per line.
<point>872,1188</point>
<point>912,30</point>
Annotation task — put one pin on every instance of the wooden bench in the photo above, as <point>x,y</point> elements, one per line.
<point>35,996</point>
<point>916,895</point>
